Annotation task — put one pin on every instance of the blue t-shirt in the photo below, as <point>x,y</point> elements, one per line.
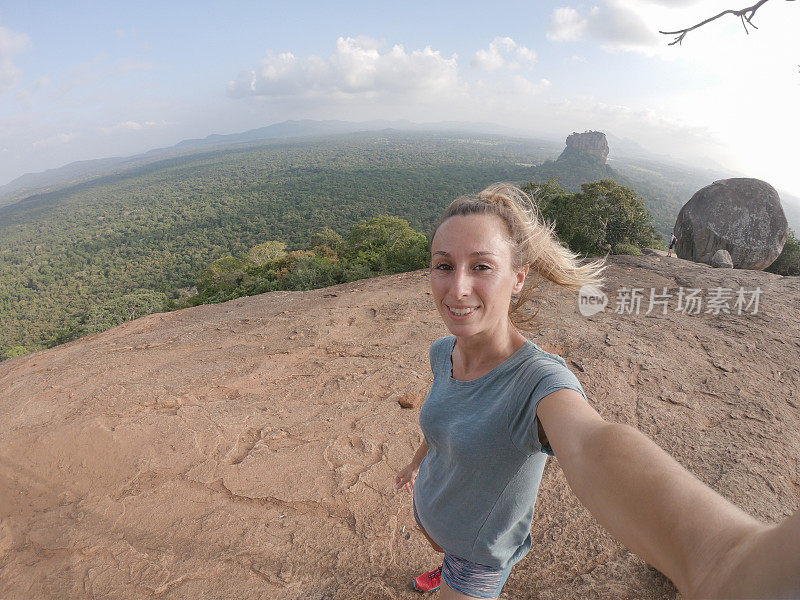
<point>477,485</point>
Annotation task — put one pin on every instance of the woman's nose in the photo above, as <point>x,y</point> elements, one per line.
<point>462,286</point>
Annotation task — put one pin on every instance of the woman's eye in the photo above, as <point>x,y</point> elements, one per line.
<point>483,267</point>
<point>443,267</point>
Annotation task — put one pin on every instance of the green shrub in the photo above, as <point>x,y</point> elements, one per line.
<point>377,246</point>
<point>788,262</point>
<point>15,351</point>
<point>326,237</point>
<point>131,306</point>
<point>388,245</point>
<point>226,271</point>
<point>598,219</point>
<point>266,253</point>
<point>627,249</point>
<point>312,272</point>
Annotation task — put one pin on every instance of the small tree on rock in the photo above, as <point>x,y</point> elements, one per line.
<point>788,262</point>
<point>603,217</point>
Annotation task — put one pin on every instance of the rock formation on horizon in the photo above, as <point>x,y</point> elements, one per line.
<point>590,143</point>
<point>583,160</point>
<point>742,216</point>
<point>248,449</point>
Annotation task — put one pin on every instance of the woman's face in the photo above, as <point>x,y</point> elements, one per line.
<point>472,276</point>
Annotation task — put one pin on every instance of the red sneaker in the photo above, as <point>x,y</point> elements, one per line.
<point>428,582</point>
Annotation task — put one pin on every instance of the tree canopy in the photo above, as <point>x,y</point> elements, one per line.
<point>603,217</point>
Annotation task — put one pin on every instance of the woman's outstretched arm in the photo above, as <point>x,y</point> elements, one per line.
<point>707,546</point>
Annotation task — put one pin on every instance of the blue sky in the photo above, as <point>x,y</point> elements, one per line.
<point>88,80</point>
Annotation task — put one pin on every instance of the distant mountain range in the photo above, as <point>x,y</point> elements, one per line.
<point>76,172</point>
<point>637,164</point>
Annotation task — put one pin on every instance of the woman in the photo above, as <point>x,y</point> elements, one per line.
<point>499,405</point>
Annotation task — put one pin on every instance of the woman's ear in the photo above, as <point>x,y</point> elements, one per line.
<point>519,282</point>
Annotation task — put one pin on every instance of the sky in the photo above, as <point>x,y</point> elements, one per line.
<point>85,80</point>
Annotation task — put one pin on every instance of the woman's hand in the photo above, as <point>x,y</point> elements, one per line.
<point>408,474</point>
<point>406,477</point>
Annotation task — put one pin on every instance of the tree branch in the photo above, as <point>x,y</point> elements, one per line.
<point>745,14</point>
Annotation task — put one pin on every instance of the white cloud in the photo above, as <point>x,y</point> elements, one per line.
<point>55,140</point>
<point>11,44</point>
<point>616,23</point>
<point>503,52</point>
<point>619,25</point>
<point>356,68</point>
<point>134,126</point>
<point>566,25</point>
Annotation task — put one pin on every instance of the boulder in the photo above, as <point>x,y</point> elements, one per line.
<point>722,259</point>
<point>740,215</point>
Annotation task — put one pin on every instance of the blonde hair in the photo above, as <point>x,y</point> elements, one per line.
<point>534,243</point>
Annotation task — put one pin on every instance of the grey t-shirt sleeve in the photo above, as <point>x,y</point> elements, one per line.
<point>546,375</point>
<point>438,356</point>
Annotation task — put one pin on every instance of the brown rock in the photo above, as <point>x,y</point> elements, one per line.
<point>410,400</point>
<point>203,453</point>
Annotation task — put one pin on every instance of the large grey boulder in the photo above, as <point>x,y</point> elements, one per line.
<point>740,215</point>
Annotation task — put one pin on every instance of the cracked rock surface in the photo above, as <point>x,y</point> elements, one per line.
<point>249,449</point>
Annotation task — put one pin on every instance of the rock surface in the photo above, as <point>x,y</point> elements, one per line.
<point>722,259</point>
<point>741,215</point>
<point>593,143</point>
<point>248,449</point>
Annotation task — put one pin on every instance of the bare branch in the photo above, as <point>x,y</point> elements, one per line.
<point>745,15</point>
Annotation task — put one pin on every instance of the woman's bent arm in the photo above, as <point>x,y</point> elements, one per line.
<point>420,453</point>
<point>706,545</point>
<point>408,474</point>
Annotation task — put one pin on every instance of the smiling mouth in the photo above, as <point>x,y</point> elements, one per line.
<point>462,312</point>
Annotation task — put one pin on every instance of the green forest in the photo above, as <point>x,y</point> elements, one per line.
<point>289,214</point>
<point>602,218</point>
<point>68,253</point>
